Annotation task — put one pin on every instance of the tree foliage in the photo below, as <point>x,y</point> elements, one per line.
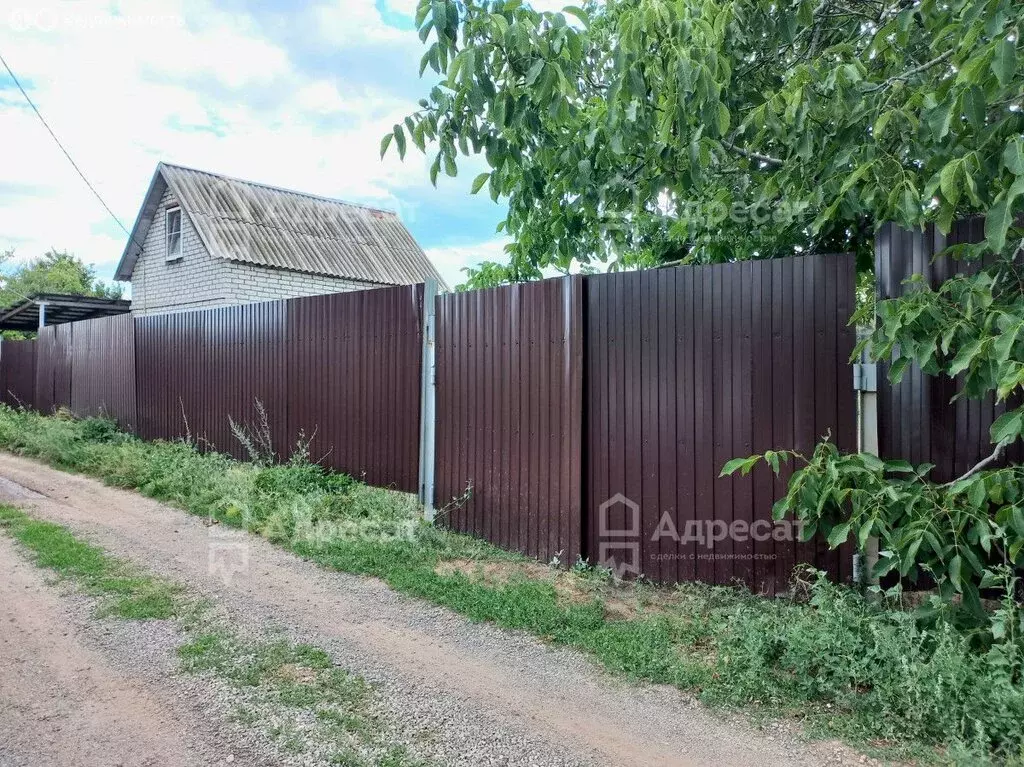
<point>53,272</point>
<point>659,130</point>
<point>651,131</point>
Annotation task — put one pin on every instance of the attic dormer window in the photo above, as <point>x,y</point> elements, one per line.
<point>173,229</point>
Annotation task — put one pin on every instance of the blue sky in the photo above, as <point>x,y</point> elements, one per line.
<point>287,94</point>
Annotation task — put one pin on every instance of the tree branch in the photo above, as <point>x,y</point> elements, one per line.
<point>910,72</point>
<point>765,158</point>
<point>995,456</point>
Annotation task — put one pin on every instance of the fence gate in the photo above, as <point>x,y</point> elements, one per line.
<point>688,368</point>
<point>103,369</point>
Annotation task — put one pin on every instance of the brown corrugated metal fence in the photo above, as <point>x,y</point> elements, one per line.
<point>916,421</point>
<point>563,401</point>
<point>103,369</point>
<point>53,368</point>
<point>343,370</point>
<point>562,405</point>
<point>688,368</point>
<point>18,373</point>
<point>509,410</point>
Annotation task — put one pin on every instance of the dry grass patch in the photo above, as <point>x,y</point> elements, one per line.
<point>296,674</point>
<point>621,600</point>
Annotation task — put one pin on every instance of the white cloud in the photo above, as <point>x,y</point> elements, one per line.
<point>343,22</point>
<point>451,259</point>
<point>404,7</point>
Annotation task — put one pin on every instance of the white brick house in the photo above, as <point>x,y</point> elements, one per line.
<point>203,240</point>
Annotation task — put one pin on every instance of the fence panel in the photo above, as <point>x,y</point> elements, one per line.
<point>509,409</point>
<point>916,420</point>
<point>690,367</point>
<point>103,369</point>
<point>54,367</point>
<point>18,373</point>
<point>342,370</point>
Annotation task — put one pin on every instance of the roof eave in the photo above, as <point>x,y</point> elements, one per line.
<point>133,248</point>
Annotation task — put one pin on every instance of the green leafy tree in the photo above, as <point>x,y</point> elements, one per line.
<point>707,130</point>
<point>53,272</point>
<point>490,274</point>
<point>640,132</point>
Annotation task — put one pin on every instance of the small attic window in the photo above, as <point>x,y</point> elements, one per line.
<point>173,229</point>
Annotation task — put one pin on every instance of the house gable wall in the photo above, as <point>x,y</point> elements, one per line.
<point>196,281</point>
<point>202,281</point>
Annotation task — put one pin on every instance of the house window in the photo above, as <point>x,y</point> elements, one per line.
<point>173,228</point>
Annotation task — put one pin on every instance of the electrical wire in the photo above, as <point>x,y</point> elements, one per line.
<point>62,149</point>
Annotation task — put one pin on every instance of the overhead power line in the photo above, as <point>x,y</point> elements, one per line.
<point>62,149</point>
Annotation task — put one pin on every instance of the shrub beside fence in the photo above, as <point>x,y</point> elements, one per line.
<point>916,420</point>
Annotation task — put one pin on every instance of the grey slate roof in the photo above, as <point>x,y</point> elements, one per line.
<point>268,226</point>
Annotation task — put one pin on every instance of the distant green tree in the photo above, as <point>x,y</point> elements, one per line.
<point>56,271</point>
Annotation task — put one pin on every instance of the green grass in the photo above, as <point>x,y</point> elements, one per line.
<point>841,664</point>
<point>300,678</point>
<point>298,675</point>
<point>127,593</point>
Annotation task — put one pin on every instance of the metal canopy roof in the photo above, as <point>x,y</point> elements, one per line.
<point>59,309</point>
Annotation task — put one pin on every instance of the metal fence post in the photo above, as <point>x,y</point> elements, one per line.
<point>865,381</point>
<point>428,413</point>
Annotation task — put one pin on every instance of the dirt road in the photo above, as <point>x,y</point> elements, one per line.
<point>487,696</point>
<point>62,702</point>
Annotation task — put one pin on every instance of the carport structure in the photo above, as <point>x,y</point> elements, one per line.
<point>45,309</point>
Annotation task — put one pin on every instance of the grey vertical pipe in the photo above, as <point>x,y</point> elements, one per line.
<point>42,315</point>
<point>428,413</point>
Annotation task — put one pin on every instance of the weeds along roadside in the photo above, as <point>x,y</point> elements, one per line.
<point>291,691</point>
<point>843,666</point>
